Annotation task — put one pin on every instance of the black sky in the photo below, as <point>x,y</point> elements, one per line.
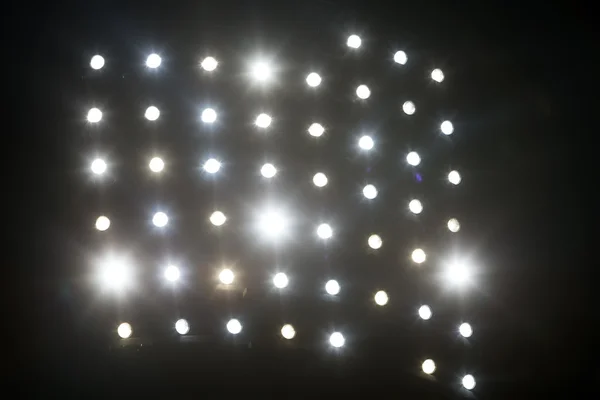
<point>517,83</point>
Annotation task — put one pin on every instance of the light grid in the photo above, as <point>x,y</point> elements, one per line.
<point>281,281</point>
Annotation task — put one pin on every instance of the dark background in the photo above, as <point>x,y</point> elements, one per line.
<point>517,80</point>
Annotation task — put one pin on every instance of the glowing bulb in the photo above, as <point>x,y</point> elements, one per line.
<point>313,79</point>
<point>116,275</point>
<point>98,166</point>
<point>102,223</point>
<point>268,170</point>
<point>381,298</point>
<point>365,142</point>
<point>447,128</point>
<point>124,330</point>
<point>97,62</point>
<point>209,64</point>
<point>400,57</point>
<point>409,108</point>
<point>320,179</point>
<point>428,367</point>
<point>418,256</point>
<point>425,312</point>
<point>363,92</point>
<point>226,276</point>
<point>156,164</point>
<point>261,71</point>
<point>217,218</point>
<point>182,326</point>
<point>468,382</point>
<point>234,326</point>
<point>160,219</point>
<point>153,61</point>
<point>280,280</point>
<point>458,274</point>
<point>208,115</point>
<point>172,273</point>
<point>453,225</point>
<point>332,287</point>
<point>375,242</point>
<point>437,75</point>
<point>316,130</point>
<point>454,177</point>
<point>152,113</point>
<point>370,192</point>
<point>288,331</point>
<point>324,231</point>
<point>465,330</point>
<point>263,120</point>
<point>94,115</point>
<point>415,206</point>
<point>337,339</point>
<point>273,224</point>
<point>212,166</point>
<point>353,41</point>
<point>413,158</point>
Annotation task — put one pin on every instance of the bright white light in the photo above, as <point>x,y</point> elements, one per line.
<point>454,177</point>
<point>320,179</point>
<point>324,231</point>
<point>102,223</point>
<point>375,242</point>
<point>458,274</point>
<point>313,79</point>
<point>400,57</point>
<point>409,108</point>
<point>263,120</point>
<point>94,115</point>
<point>418,256</point>
<point>370,192</point>
<point>172,273</point>
<point>226,276</point>
<point>268,170</point>
<point>280,280</point>
<point>381,298</point>
<point>116,274</point>
<point>217,218</point>
<point>415,206</point>
<point>208,115</point>
<point>124,330</point>
<point>98,166</point>
<point>437,75</point>
<point>97,62</point>
<point>156,164</point>
<point>261,71</point>
<point>337,339</point>
<point>288,331</point>
<point>316,130</point>
<point>413,158</point>
<point>447,128</point>
<point>425,312</point>
<point>212,166</point>
<point>209,64</point>
<point>332,287</point>
<point>468,382</point>
<point>182,326</point>
<point>160,219</point>
<point>234,326</point>
<point>363,92</point>
<point>366,142</point>
<point>428,367</point>
<point>273,224</point>
<point>353,41</point>
<point>153,61</point>
<point>453,225</point>
<point>152,113</point>
<point>465,329</point>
